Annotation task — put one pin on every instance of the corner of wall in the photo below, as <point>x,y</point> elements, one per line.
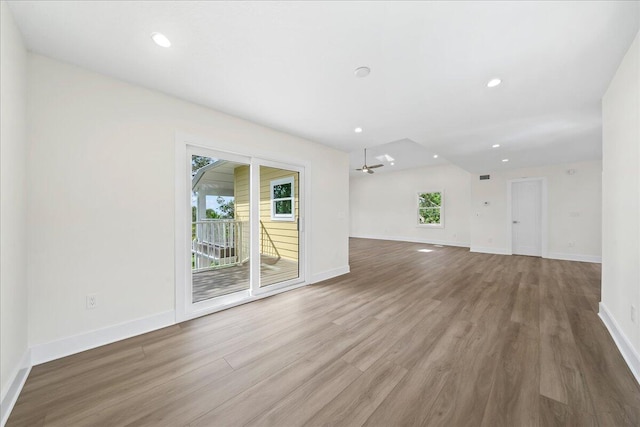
<point>11,394</point>
<point>629,354</point>
<point>14,351</point>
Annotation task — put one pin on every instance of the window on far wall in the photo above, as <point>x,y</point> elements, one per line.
<point>430,212</point>
<point>282,199</point>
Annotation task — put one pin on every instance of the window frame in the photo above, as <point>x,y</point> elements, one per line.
<point>441,207</point>
<point>282,217</point>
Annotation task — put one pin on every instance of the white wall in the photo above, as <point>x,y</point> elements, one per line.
<point>574,210</point>
<point>384,206</point>
<point>621,198</point>
<point>13,204</point>
<point>101,195</point>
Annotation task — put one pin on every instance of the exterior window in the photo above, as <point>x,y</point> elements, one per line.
<point>282,199</point>
<point>430,209</point>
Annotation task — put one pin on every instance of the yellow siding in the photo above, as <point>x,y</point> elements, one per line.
<point>284,234</point>
<point>241,192</point>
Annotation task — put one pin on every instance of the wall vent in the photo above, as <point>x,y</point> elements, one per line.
<point>483,177</point>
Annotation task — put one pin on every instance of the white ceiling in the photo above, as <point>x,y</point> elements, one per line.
<point>289,65</point>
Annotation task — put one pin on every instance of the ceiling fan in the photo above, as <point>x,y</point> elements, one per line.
<point>368,169</point>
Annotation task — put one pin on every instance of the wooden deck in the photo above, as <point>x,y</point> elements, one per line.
<point>223,281</point>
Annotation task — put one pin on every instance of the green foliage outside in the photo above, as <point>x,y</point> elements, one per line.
<point>429,206</point>
<point>228,210</point>
<point>283,207</point>
<point>198,162</point>
<point>281,191</point>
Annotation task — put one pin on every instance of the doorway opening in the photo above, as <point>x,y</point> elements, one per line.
<point>240,235</point>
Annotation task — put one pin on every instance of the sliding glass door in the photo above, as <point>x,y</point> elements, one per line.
<point>244,232</point>
<point>220,254</point>
<point>279,225</point>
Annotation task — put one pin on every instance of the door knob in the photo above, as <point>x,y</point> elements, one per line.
<point>516,222</point>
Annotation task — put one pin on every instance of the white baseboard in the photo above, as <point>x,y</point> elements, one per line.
<point>329,274</point>
<point>413,240</point>
<point>574,257</point>
<point>67,346</point>
<point>629,354</point>
<point>487,250</point>
<point>10,395</point>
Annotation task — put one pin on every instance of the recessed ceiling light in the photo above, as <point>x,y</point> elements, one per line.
<point>362,71</point>
<point>160,39</point>
<point>358,130</point>
<point>495,146</point>
<point>392,163</point>
<point>505,160</point>
<point>494,82</point>
<point>435,156</point>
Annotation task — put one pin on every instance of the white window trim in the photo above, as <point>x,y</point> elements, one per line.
<point>283,217</point>
<point>417,211</point>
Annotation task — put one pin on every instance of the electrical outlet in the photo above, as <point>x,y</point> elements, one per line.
<point>571,244</point>
<point>92,301</point>
<point>633,314</point>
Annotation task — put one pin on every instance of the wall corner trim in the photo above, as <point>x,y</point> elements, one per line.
<point>47,352</point>
<point>624,345</point>
<point>10,396</point>
<point>329,274</point>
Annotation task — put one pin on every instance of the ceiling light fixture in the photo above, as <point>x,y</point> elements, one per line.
<point>505,160</point>
<point>362,72</point>
<point>358,130</point>
<point>392,163</point>
<point>435,156</point>
<point>494,82</point>
<point>160,39</point>
<point>495,146</point>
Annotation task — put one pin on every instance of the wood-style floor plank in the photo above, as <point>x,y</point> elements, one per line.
<point>442,337</point>
<point>514,397</point>
<point>357,402</point>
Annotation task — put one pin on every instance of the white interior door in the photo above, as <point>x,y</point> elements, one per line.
<point>526,218</point>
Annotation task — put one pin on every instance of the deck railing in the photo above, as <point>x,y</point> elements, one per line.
<point>219,243</point>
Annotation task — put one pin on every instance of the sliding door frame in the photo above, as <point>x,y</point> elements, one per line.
<point>255,227</point>
<point>185,146</point>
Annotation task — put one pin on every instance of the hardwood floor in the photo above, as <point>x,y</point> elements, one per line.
<point>439,338</point>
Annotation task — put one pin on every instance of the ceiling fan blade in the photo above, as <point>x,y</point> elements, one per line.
<point>359,169</point>
<point>375,166</point>
<point>369,170</point>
